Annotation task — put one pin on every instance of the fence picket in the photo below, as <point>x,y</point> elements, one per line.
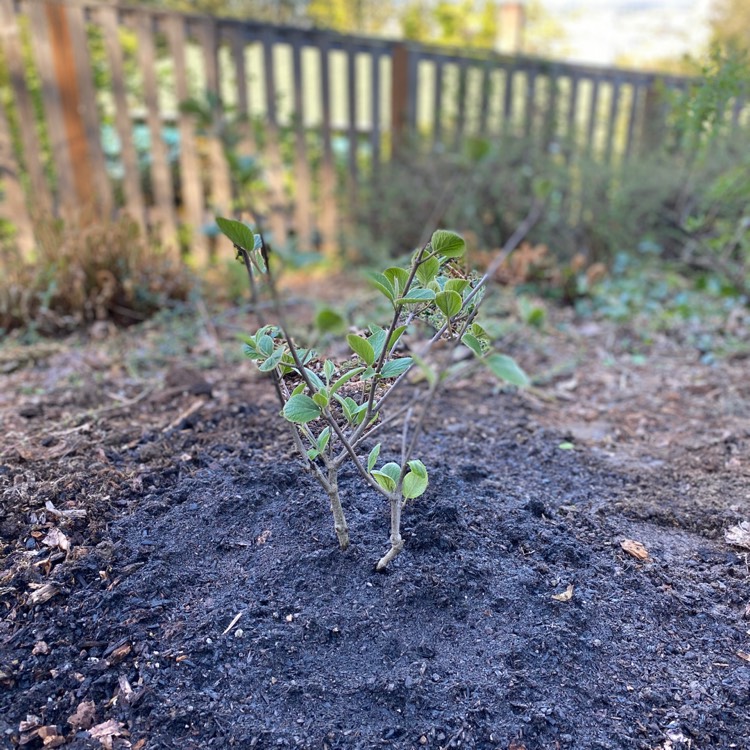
<point>134,203</point>
<point>89,111</point>
<point>328,209</point>
<point>41,198</point>
<point>191,186</point>
<point>161,176</point>
<point>13,208</point>
<point>303,180</point>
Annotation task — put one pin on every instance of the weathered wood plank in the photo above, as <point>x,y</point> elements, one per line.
<point>461,104</point>
<point>352,135</point>
<point>89,112</point>
<point>238,43</point>
<point>134,202</point>
<point>592,116</point>
<point>438,115</point>
<point>530,107</point>
<point>191,182</point>
<point>303,178</point>
<point>375,134</point>
<point>571,133</point>
<point>400,94</point>
<point>328,209</point>
<point>635,94</point>
<point>277,220</point>
<point>161,176</point>
<point>508,100</point>
<point>13,208</point>
<point>11,45</point>
<point>614,109</point>
<point>43,21</point>
<point>484,101</point>
<point>221,182</point>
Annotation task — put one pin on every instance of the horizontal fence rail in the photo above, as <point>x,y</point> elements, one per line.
<point>174,118</point>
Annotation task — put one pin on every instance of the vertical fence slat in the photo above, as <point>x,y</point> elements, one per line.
<point>352,135</point>
<point>13,208</point>
<point>571,133</point>
<point>237,41</point>
<point>134,203</point>
<point>275,178</point>
<point>550,119</point>
<point>438,116</point>
<point>461,104</point>
<point>635,90</point>
<point>530,108</point>
<point>161,176</point>
<point>375,110</point>
<point>592,121</point>
<point>89,111</point>
<point>303,180</point>
<point>399,94</point>
<point>52,101</point>
<point>508,99</point>
<point>328,168</point>
<point>11,43</point>
<point>484,103</point>
<point>221,181</point>
<point>412,84</point>
<point>191,183</point>
<point>614,109</point>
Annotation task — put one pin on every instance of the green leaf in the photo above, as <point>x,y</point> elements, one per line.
<point>416,297</point>
<point>323,439</point>
<point>362,348</point>
<point>449,303</point>
<point>314,378</point>
<point>395,336</point>
<point>264,345</point>
<point>418,468</point>
<point>566,446</point>
<point>299,389</point>
<point>373,457</point>
<point>346,377</point>
<point>328,369</point>
<point>448,244</point>
<point>272,361</point>
<point>381,282</point>
<point>377,339</point>
<point>387,476</point>
<point>428,270</point>
<point>301,409</point>
<point>398,278</point>
<point>329,321</point>
<point>479,332</point>
<point>472,343</point>
<point>396,367</point>
<point>320,399</point>
<point>313,453</point>
<point>416,481</point>
<point>506,368</point>
<point>456,285</point>
<point>239,233</point>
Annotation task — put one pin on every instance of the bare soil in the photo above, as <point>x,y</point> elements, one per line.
<point>169,579</point>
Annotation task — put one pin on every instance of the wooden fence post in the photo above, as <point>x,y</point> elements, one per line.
<point>63,60</point>
<point>652,124</point>
<point>399,94</point>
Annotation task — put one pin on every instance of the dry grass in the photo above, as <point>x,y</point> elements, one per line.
<point>82,274</point>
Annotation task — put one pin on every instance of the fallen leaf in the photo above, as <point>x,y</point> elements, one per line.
<point>106,731</point>
<point>31,722</point>
<point>738,535</point>
<point>634,549</point>
<point>263,537</point>
<point>50,736</point>
<point>743,655</point>
<point>56,538</point>
<point>566,595</point>
<point>40,647</point>
<point>516,745</point>
<point>126,690</point>
<point>84,716</point>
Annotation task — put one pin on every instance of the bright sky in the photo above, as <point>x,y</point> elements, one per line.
<point>601,31</point>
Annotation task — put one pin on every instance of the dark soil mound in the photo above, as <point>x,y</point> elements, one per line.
<point>461,644</point>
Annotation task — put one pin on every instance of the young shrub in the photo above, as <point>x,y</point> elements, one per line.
<point>335,408</point>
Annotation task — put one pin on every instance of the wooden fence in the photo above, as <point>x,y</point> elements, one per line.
<point>91,123</point>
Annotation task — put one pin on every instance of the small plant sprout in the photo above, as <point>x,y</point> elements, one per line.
<point>335,409</point>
